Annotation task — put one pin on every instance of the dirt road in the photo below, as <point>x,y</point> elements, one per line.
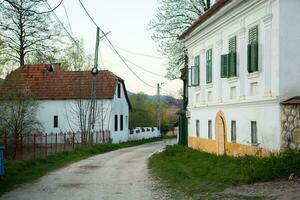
<point>120,174</point>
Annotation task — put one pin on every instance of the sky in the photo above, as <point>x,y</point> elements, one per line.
<point>127,21</point>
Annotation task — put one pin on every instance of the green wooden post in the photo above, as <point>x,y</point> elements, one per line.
<point>183,129</point>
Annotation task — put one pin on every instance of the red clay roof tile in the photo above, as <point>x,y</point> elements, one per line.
<point>56,85</point>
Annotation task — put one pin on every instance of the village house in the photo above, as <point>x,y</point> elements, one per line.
<point>62,95</point>
<point>244,65</point>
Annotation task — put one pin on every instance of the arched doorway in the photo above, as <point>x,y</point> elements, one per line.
<point>221,138</point>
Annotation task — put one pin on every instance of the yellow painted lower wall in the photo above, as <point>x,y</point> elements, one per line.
<point>232,149</point>
<point>202,144</point>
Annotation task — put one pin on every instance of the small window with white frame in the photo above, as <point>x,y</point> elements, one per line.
<point>197,128</point>
<point>233,131</point>
<point>209,124</point>
<point>254,140</point>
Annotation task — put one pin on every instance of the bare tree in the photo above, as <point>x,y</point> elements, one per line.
<point>18,112</point>
<point>18,109</point>
<point>26,31</point>
<point>173,17</point>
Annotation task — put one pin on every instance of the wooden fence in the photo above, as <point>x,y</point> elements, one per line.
<point>24,147</point>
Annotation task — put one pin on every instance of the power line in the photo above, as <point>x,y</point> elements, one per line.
<point>59,21</point>
<point>65,9</point>
<point>88,13</point>
<point>51,10</point>
<point>141,54</point>
<point>113,48</point>
<point>142,68</point>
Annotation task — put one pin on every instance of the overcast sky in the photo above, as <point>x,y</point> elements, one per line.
<point>128,22</point>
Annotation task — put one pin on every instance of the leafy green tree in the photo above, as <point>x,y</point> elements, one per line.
<point>142,113</point>
<point>173,17</point>
<point>75,58</point>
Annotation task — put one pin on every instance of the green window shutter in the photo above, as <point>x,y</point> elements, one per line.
<point>189,77</point>
<point>249,58</point>
<point>197,61</point>
<point>224,66</point>
<point>197,75</point>
<point>232,64</point>
<point>197,70</point>
<point>209,66</point>
<point>253,35</point>
<point>254,57</point>
<point>232,44</point>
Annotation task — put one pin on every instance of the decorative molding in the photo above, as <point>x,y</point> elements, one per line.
<point>202,51</point>
<point>242,32</point>
<point>209,85</point>
<point>219,43</point>
<point>253,75</point>
<point>267,20</point>
<point>232,79</point>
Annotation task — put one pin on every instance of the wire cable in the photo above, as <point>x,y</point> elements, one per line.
<point>141,54</point>
<point>113,48</point>
<point>60,22</point>
<point>142,68</point>
<point>51,10</point>
<point>65,9</point>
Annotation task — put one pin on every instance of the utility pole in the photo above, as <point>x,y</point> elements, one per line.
<point>93,95</point>
<point>158,105</point>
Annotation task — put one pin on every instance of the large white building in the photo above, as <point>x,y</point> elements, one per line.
<point>62,95</point>
<point>243,62</point>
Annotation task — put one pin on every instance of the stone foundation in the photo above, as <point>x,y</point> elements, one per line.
<point>290,127</point>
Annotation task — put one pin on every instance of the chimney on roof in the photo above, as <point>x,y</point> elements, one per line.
<point>208,3</point>
<point>51,67</point>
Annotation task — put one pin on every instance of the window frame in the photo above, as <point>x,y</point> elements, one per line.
<point>233,131</point>
<point>116,123</point>
<point>209,74</point>
<point>121,123</point>
<point>253,49</point>
<point>254,133</point>
<point>197,128</point>
<point>55,121</point>
<point>209,129</point>
<point>119,90</point>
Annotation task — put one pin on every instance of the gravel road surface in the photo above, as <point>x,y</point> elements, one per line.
<point>121,174</point>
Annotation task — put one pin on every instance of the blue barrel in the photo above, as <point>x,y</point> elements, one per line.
<point>1,161</point>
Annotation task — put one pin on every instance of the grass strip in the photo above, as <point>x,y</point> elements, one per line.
<point>192,171</point>
<point>22,171</point>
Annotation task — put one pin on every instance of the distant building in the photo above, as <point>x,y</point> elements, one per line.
<point>59,94</point>
<point>243,62</point>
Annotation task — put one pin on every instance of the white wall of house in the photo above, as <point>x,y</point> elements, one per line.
<point>247,97</point>
<point>120,107</point>
<point>67,113</point>
<point>266,114</point>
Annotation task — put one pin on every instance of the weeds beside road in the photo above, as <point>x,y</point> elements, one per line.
<point>17,172</point>
<point>192,172</point>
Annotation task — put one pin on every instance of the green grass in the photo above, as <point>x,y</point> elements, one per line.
<point>17,172</point>
<point>195,172</point>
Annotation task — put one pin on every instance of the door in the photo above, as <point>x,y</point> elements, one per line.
<point>220,127</point>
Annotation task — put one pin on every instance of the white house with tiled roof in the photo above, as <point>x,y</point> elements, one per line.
<point>60,94</point>
<point>243,62</point>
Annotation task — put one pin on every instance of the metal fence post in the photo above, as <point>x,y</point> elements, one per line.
<point>55,142</point>
<point>73,141</point>
<point>46,144</point>
<point>21,144</point>
<point>64,141</point>
<point>5,145</point>
<point>34,138</point>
